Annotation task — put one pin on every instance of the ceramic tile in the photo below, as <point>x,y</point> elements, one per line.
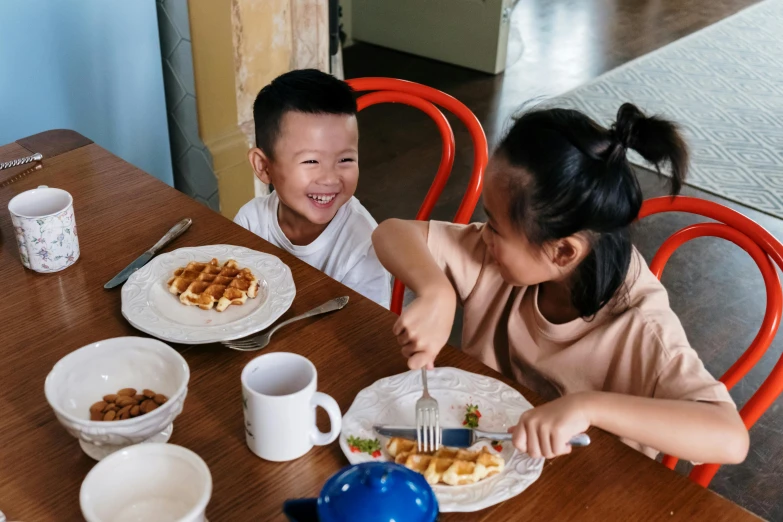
<point>181,60</point>
<point>173,88</point>
<point>178,13</point>
<point>199,172</point>
<point>179,143</point>
<point>186,115</point>
<point>169,36</point>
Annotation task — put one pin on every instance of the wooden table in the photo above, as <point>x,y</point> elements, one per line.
<point>120,212</point>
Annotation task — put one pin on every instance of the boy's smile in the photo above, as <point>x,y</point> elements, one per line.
<point>323,200</point>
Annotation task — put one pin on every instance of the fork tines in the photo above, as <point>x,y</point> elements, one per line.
<point>428,434</point>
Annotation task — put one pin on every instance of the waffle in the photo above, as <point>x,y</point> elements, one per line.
<point>455,467</point>
<point>204,284</point>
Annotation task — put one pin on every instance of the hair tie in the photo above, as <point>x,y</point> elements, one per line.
<point>618,140</point>
<point>617,147</point>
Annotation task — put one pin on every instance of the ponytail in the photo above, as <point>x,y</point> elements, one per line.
<point>657,140</point>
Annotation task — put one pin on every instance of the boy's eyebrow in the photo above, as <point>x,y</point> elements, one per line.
<point>306,151</point>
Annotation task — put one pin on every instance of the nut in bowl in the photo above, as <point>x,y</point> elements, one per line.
<point>97,371</point>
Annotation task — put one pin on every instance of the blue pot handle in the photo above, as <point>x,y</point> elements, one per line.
<point>301,510</point>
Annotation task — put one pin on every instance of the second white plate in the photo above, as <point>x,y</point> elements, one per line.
<point>148,305</point>
<point>392,401</point>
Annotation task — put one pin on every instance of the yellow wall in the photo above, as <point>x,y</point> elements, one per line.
<point>213,66</point>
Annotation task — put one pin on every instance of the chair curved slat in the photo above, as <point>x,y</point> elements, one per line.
<point>767,252</point>
<point>425,99</point>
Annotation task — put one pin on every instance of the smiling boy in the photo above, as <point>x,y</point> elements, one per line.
<point>307,148</point>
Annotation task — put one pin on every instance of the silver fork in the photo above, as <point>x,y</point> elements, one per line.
<point>428,434</point>
<point>250,344</point>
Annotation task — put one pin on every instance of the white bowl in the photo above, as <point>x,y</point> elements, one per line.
<point>149,482</point>
<point>84,376</point>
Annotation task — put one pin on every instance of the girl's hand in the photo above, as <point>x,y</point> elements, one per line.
<point>545,431</point>
<point>425,325</point>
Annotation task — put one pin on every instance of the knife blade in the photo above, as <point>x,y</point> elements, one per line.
<point>173,233</point>
<point>464,437</point>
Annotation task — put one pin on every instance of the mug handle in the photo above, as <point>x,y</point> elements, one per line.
<point>318,437</point>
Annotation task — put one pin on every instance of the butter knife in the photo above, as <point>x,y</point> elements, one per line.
<point>464,437</point>
<point>176,231</point>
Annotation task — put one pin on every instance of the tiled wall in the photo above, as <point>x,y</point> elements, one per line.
<point>193,173</point>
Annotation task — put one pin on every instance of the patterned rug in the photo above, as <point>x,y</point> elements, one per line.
<point>724,86</point>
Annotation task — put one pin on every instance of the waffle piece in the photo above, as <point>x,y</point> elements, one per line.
<point>397,446</point>
<point>204,284</point>
<point>455,467</point>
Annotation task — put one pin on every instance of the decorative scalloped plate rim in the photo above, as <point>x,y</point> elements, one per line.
<point>498,401</point>
<point>276,287</point>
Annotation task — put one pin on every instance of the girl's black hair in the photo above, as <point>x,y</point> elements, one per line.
<point>572,176</point>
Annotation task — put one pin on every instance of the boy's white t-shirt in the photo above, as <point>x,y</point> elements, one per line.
<point>343,251</point>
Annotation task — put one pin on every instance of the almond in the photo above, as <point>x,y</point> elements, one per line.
<point>135,410</point>
<point>160,399</point>
<point>126,409</point>
<point>148,393</point>
<point>147,406</point>
<point>124,415</point>
<point>109,415</point>
<point>110,398</point>
<point>124,400</point>
<point>111,407</point>
<point>139,398</point>
<point>98,407</point>
<point>130,392</point>
<point>96,416</point>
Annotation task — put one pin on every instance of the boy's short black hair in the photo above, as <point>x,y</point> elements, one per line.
<point>305,90</point>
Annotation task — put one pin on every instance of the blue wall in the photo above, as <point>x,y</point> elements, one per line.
<point>89,65</point>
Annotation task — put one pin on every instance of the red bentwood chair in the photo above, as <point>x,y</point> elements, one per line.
<point>767,252</point>
<point>425,98</point>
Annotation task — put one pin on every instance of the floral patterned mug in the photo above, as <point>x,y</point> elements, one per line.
<point>45,229</point>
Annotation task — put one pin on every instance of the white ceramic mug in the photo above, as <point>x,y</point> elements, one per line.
<point>45,229</point>
<point>152,481</point>
<point>279,401</point>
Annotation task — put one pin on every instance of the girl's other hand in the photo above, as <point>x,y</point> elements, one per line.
<point>425,325</point>
<point>545,431</point>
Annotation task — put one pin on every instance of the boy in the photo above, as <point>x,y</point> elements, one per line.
<point>307,148</point>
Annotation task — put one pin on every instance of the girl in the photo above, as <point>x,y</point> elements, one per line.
<point>556,296</point>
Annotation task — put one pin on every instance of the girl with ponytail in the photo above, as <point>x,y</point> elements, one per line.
<point>556,297</point>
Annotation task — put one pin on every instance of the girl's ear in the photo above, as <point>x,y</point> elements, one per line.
<point>569,252</point>
<point>260,163</point>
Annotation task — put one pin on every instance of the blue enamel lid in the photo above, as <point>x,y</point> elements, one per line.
<point>377,492</point>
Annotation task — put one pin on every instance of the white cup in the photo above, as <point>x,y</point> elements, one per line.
<point>45,229</point>
<point>279,401</point>
<point>151,482</point>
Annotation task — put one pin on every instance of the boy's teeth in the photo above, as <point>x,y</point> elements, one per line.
<point>322,198</point>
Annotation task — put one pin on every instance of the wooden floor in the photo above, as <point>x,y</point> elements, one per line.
<point>557,45</point>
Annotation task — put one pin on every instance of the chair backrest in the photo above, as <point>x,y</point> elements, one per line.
<point>425,99</point>
<point>767,252</point>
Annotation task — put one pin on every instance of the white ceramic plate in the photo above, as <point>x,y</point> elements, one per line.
<point>392,401</point>
<point>149,306</point>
